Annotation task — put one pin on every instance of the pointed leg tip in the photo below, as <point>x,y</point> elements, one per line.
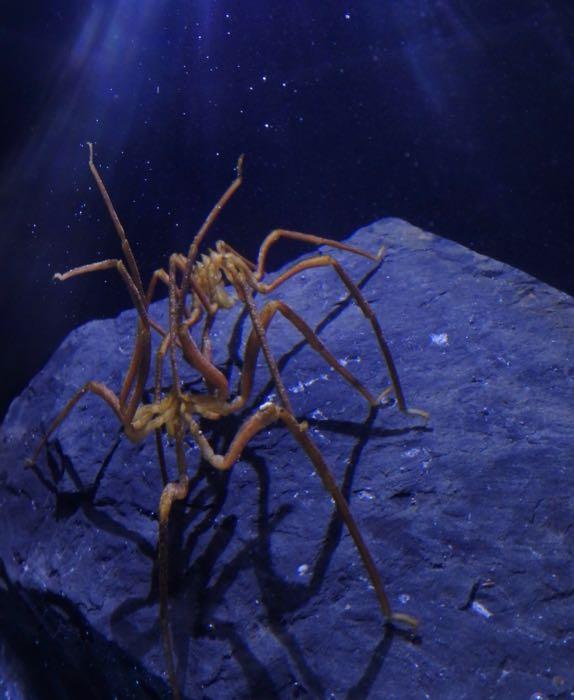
<point>419,413</point>
<point>404,622</point>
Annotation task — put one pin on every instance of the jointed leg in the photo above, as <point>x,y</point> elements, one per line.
<point>211,217</point>
<point>137,373</point>
<point>253,346</point>
<point>276,235</point>
<point>355,292</point>
<point>389,617</point>
<point>222,246</point>
<point>214,378</point>
<point>139,363</point>
<point>126,248</point>
<point>172,492</point>
<point>137,298</point>
<point>96,388</point>
<point>259,330</point>
<point>159,275</point>
<point>136,376</point>
<point>192,316</point>
<point>268,414</point>
<point>140,303</point>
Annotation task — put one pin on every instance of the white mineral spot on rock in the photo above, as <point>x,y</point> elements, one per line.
<point>440,339</point>
<point>412,452</point>
<point>348,359</point>
<point>481,610</point>
<point>301,386</point>
<point>320,436</point>
<point>303,569</point>
<point>298,389</point>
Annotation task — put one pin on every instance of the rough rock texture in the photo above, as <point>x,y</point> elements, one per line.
<point>470,520</point>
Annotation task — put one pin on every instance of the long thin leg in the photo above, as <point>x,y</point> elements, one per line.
<point>253,345</point>
<point>160,275</point>
<point>96,388</point>
<point>172,492</point>
<point>130,395</point>
<point>141,304</point>
<point>390,618</point>
<point>159,359</point>
<point>126,248</point>
<point>179,329</point>
<point>222,246</point>
<point>270,413</point>
<point>140,360</point>
<point>214,378</point>
<point>138,299</point>
<point>259,329</point>
<point>355,292</point>
<point>279,233</point>
<point>211,217</point>
<point>139,364</point>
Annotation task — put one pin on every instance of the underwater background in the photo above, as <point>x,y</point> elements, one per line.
<point>456,116</point>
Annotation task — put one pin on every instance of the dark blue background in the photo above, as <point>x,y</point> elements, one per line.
<point>457,116</point>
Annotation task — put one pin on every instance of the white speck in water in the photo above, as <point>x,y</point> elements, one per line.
<point>440,339</point>
<point>303,569</point>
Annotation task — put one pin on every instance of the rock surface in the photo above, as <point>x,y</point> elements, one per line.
<point>470,520</point>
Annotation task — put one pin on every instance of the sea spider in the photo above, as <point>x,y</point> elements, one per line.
<point>197,291</point>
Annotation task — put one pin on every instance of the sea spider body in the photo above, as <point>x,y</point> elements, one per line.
<point>198,287</point>
<point>213,271</point>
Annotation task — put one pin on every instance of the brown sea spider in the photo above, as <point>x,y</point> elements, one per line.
<point>197,291</point>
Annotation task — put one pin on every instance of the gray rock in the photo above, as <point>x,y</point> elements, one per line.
<point>470,520</point>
